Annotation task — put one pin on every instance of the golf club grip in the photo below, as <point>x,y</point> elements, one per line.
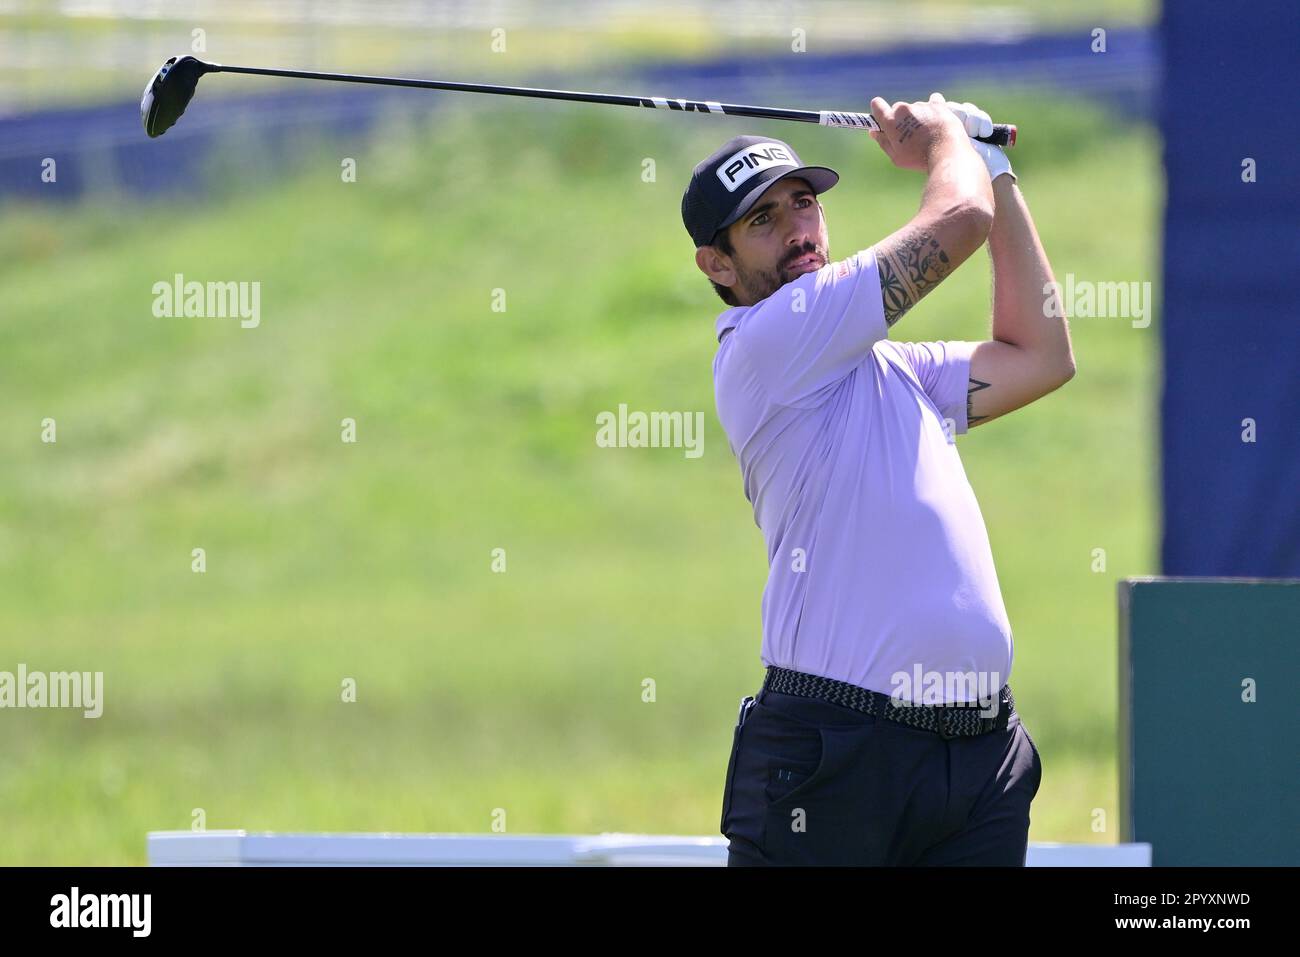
<point>1004,134</point>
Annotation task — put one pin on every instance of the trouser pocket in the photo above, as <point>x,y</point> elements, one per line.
<point>812,812</point>
<point>798,764</point>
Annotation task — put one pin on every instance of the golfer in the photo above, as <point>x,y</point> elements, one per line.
<point>884,732</point>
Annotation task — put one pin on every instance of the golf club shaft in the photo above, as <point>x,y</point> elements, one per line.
<point>1004,134</point>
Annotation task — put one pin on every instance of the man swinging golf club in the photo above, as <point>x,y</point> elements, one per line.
<point>884,732</point>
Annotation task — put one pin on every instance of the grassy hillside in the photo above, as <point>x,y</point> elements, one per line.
<point>372,561</point>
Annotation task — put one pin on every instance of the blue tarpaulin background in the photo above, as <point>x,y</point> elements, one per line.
<point>1231,284</point>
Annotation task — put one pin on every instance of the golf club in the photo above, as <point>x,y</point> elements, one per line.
<point>168,93</point>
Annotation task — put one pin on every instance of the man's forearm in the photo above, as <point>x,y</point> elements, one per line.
<point>957,182</point>
<point>953,222</point>
<point>1020,274</point>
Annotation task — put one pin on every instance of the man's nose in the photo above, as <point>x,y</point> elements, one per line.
<point>800,236</point>
<point>799,231</point>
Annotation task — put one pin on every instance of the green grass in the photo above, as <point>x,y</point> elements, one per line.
<point>372,561</point>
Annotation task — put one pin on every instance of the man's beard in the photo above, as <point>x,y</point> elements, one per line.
<point>761,283</point>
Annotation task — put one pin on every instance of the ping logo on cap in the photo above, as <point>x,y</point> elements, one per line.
<point>743,164</point>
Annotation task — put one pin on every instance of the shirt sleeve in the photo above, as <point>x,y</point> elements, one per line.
<point>943,369</point>
<point>815,330</point>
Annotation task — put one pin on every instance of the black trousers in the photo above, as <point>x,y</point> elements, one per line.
<point>815,783</point>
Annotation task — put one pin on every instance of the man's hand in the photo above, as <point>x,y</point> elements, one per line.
<point>975,120</point>
<point>978,123</point>
<point>914,134</point>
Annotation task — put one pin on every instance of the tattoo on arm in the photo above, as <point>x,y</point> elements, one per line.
<point>975,386</point>
<point>906,127</point>
<point>909,267</point>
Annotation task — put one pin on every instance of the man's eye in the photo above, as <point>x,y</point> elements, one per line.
<point>757,220</point>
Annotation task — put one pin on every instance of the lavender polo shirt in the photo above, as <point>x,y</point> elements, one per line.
<point>879,561</point>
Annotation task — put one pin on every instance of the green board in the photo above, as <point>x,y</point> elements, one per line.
<point>1208,777</point>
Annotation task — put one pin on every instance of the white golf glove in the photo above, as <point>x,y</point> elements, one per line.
<point>978,123</point>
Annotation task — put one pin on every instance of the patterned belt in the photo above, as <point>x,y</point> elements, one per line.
<point>947,721</point>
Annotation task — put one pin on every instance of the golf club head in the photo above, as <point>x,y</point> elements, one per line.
<point>168,93</point>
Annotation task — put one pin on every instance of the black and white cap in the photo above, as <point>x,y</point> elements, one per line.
<point>728,183</point>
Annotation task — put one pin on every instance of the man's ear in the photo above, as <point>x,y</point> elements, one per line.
<point>715,265</point>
